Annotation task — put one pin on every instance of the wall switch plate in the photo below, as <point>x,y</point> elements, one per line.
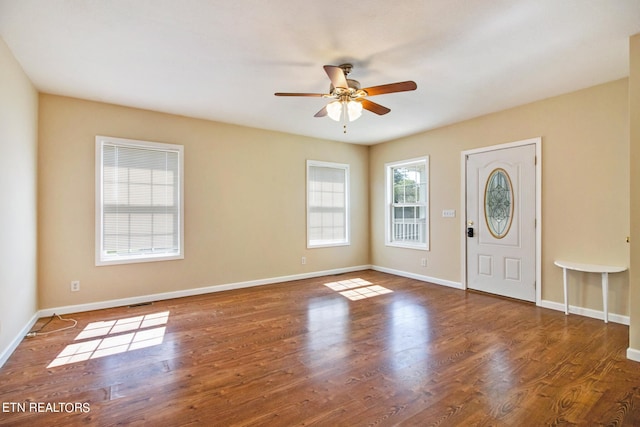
<point>449,213</point>
<point>75,286</point>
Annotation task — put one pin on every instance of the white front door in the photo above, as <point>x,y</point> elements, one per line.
<point>501,221</point>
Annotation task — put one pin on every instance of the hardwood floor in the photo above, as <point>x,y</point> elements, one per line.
<point>300,353</point>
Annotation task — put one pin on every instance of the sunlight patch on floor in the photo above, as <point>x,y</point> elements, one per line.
<point>357,289</point>
<point>109,327</point>
<point>122,339</point>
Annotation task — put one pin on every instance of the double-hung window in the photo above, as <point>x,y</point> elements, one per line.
<point>407,219</point>
<point>327,204</point>
<point>139,201</point>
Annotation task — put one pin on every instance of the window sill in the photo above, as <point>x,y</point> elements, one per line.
<point>327,244</point>
<point>138,259</point>
<point>420,247</point>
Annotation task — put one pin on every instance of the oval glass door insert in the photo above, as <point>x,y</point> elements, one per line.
<point>498,203</point>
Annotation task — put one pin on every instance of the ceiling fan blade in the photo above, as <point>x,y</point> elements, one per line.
<point>374,108</point>
<point>321,113</point>
<point>336,75</point>
<point>391,88</point>
<point>298,94</point>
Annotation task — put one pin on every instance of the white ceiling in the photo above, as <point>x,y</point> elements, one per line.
<point>223,60</point>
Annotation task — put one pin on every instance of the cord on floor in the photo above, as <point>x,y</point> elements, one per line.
<point>38,332</point>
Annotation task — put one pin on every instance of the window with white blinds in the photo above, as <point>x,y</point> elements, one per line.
<point>139,205</point>
<point>327,204</point>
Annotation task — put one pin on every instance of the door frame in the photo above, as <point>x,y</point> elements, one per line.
<point>463,207</point>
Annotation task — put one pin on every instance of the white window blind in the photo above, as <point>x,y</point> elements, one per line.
<point>138,201</point>
<point>327,204</point>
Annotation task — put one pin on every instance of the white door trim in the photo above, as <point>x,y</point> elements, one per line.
<point>463,207</point>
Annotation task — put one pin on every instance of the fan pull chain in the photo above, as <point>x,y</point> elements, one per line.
<point>345,117</point>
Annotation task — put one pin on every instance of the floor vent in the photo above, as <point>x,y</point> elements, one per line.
<point>140,304</point>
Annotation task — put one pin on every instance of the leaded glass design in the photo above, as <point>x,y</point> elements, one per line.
<point>498,203</point>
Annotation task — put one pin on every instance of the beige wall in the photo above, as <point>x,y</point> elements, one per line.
<point>18,171</point>
<point>634,271</point>
<point>235,232</point>
<point>585,189</point>
<point>244,203</point>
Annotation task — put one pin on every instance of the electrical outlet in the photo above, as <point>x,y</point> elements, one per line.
<point>423,262</point>
<point>303,261</point>
<point>75,286</point>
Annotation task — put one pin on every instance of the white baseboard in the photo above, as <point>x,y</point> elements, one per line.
<point>633,354</point>
<point>8,351</point>
<point>587,312</point>
<point>195,291</point>
<point>420,277</point>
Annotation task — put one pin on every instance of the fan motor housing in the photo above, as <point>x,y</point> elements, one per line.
<point>353,84</point>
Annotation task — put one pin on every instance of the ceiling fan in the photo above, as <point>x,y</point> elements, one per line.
<point>349,98</point>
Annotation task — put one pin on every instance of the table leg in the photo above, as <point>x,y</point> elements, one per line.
<point>605,295</point>
<point>566,297</point>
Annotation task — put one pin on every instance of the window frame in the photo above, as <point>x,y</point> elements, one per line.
<point>100,258</point>
<point>346,241</point>
<point>390,205</point>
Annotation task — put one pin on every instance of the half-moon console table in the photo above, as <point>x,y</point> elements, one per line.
<point>589,268</point>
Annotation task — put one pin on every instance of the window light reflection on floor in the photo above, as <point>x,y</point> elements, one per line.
<point>357,289</point>
<point>109,327</point>
<point>113,340</point>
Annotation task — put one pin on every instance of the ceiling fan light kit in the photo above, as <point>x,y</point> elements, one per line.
<point>337,110</point>
<point>348,98</point>
<point>354,110</point>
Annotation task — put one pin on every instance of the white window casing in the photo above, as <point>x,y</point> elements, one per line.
<point>139,201</point>
<point>328,221</point>
<point>407,203</point>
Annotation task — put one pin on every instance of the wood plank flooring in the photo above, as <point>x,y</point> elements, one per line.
<point>300,353</point>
